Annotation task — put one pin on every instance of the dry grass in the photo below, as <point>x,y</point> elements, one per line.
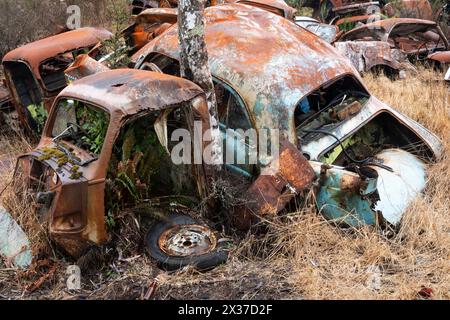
<point>302,255</point>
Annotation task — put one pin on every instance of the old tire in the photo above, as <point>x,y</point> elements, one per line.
<point>180,240</point>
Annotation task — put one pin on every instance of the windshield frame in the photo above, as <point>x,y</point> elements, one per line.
<point>48,130</point>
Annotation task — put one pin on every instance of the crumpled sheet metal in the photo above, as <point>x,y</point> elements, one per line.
<point>270,61</point>
<point>374,196</point>
<point>366,54</point>
<point>14,243</point>
<point>84,66</point>
<point>286,177</point>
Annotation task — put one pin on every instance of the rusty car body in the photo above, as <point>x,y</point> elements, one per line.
<point>151,23</point>
<point>288,80</point>
<point>393,44</point>
<point>35,72</point>
<point>272,85</point>
<point>74,190</point>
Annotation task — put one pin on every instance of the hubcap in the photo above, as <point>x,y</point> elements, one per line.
<point>187,240</point>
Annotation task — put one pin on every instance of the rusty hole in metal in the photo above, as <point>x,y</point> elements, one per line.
<point>187,240</point>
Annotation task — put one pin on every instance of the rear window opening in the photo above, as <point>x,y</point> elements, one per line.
<point>327,107</point>
<point>52,70</point>
<point>164,63</point>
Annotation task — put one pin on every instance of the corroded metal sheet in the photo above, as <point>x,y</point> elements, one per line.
<point>286,177</point>
<point>84,66</point>
<point>366,54</point>
<point>157,15</point>
<point>14,243</point>
<point>441,57</point>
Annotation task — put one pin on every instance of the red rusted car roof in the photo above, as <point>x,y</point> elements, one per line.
<point>268,60</point>
<point>36,52</point>
<point>389,24</point>
<point>129,91</point>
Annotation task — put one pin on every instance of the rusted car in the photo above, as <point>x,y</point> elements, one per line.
<point>364,160</point>
<point>105,131</point>
<point>393,44</point>
<point>151,23</point>
<point>348,14</point>
<point>35,72</point>
<point>304,105</point>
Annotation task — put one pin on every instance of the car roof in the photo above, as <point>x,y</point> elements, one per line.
<point>38,51</point>
<point>389,24</point>
<point>268,60</point>
<point>125,92</point>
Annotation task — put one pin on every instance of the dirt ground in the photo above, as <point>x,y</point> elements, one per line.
<point>301,256</point>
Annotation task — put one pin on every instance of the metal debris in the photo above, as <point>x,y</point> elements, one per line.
<point>14,243</point>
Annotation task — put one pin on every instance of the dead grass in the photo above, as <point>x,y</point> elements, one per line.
<point>301,255</point>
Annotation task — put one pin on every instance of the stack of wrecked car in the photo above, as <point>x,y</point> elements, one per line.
<point>365,161</point>
<point>395,45</point>
<point>347,14</point>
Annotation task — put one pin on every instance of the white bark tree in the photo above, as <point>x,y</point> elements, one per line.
<point>194,64</point>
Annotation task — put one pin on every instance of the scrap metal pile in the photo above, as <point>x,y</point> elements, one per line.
<point>104,134</point>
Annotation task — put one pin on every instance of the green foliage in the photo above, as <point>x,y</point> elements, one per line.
<point>39,114</point>
<point>119,15</point>
<point>110,221</point>
<point>136,159</point>
<point>95,123</point>
<point>128,184</point>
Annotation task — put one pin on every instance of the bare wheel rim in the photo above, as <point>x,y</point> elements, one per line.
<point>187,240</point>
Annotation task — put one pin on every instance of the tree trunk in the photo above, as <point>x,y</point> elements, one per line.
<point>194,64</point>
